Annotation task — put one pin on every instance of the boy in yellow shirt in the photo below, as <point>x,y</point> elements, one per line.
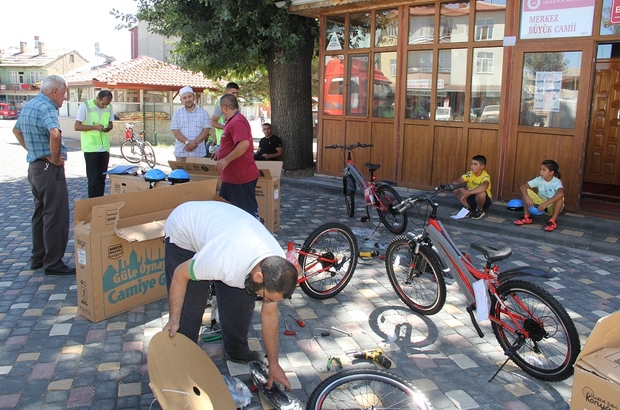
<point>476,196</point>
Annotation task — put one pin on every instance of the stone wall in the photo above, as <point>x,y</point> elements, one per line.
<point>117,135</point>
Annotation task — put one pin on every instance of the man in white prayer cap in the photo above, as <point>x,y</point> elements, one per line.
<point>190,126</point>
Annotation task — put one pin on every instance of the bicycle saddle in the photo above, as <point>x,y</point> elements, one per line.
<point>491,253</point>
<point>372,167</point>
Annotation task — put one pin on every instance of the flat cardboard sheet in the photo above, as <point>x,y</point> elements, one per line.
<point>182,376</point>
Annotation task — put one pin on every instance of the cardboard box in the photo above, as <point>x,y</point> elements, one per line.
<point>123,184</point>
<point>596,384</point>
<point>120,249</point>
<point>267,187</point>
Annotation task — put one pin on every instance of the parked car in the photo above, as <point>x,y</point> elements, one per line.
<point>490,114</point>
<point>443,114</point>
<point>7,111</point>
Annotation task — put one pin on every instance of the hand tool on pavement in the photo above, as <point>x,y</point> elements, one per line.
<point>341,331</point>
<point>300,322</point>
<point>375,356</point>
<point>288,332</point>
<point>333,359</point>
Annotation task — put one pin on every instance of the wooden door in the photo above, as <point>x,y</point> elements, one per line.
<point>603,150</point>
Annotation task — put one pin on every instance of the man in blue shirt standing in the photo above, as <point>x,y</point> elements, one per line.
<point>38,131</point>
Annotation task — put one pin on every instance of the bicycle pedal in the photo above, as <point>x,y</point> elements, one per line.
<point>365,219</point>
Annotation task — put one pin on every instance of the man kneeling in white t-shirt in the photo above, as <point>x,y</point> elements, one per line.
<point>215,241</point>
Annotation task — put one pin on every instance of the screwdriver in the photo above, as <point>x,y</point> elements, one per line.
<point>300,322</point>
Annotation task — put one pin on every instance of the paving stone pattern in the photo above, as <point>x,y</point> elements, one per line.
<point>52,358</point>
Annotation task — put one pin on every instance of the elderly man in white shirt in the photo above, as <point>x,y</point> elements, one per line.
<point>190,126</point>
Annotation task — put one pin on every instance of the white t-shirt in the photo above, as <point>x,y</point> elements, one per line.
<point>227,240</point>
<point>546,190</point>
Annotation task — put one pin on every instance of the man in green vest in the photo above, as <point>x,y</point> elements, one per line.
<point>218,121</point>
<point>94,121</point>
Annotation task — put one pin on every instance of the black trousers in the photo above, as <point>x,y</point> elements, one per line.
<point>242,196</point>
<point>96,165</point>
<point>235,306</point>
<point>50,220</point>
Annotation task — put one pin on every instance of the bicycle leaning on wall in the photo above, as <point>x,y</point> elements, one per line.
<point>377,195</point>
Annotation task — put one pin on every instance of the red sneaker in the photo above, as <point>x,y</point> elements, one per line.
<point>526,220</point>
<point>551,225</point>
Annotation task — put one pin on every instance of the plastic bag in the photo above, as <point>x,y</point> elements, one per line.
<point>241,394</point>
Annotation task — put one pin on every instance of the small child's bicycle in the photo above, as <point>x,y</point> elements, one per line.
<point>135,148</point>
<point>328,259</point>
<point>531,326</point>
<point>379,196</point>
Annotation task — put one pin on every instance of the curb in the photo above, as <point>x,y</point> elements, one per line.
<point>575,231</point>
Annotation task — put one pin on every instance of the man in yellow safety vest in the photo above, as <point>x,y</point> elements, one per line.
<point>94,120</point>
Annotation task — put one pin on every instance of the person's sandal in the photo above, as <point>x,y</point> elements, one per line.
<point>526,220</point>
<point>551,225</point>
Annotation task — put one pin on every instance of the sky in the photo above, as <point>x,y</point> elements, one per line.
<point>69,25</point>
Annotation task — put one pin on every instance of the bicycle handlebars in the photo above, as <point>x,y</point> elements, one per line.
<point>349,147</point>
<point>408,203</point>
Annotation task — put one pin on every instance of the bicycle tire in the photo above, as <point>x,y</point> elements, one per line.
<point>551,350</point>
<point>366,389</point>
<point>131,152</point>
<point>394,221</point>
<point>417,278</point>
<point>149,154</point>
<point>349,195</point>
<point>331,240</point>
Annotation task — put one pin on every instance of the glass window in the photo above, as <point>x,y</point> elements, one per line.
<point>383,85</point>
<point>357,87</point>
<point>610,24</point>
<point>490,20</point>
<point>486,85</point>
<point>454,22</point>
<point>359,30</point>
<point>419,84</point>
<point>421,24</point>
<point>386,28</point>
<point>13,77</point>
<point>334,85</point>
<point>450,101</point>
<point>549,89</point>
<point>334,33</point>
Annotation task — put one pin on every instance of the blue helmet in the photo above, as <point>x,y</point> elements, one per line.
<point>178,176</point>
<point>515,205</point>
<point>534,210</point>
<point>154,175</point>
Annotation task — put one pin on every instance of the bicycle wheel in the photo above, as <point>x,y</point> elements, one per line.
<point>130,151</point>
<point>336,244</point>
<point>417,278</point>
<point>366,389</point>
<point>149,154</point>
<point>553,343</point>
<point>387,198</point>
<point>349,195</point>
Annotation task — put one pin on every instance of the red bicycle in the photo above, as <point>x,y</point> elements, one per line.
<point>328,258</point>
<point>377,195</point>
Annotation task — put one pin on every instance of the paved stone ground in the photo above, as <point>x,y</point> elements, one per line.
<point>52,358</point>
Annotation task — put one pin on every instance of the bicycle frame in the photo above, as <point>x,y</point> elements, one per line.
<point>467,274</point>
<point>328,263</point>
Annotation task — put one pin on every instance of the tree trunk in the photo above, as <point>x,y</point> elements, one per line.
<point>290,92</point>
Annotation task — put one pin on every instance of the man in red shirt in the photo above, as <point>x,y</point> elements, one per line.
<point>235,158</point>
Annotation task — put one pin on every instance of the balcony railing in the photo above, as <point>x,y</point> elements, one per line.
<point>18,87</point>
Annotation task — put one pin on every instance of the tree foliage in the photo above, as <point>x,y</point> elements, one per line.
<point>249,40</point>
